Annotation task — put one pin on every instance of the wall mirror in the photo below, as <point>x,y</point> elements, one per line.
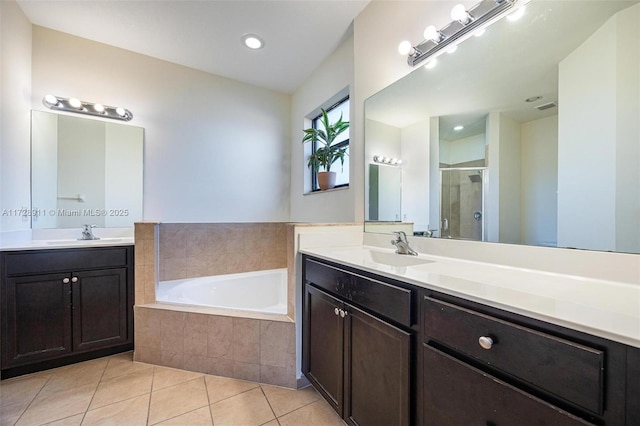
<point>84,171</point>
<point>528,134</point>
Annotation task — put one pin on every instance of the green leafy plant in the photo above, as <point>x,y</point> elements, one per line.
<point>326,154</point>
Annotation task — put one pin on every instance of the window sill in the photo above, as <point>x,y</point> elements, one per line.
<point>342,188</point>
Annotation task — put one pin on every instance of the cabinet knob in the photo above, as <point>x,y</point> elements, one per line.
<point>74,279</point>
<point>485,342</point>
<point>65,280</point>
<point>343,313</point>
<point>337,311</point>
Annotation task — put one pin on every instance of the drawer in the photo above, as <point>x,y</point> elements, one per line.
<point>64,260</point>
<point>450,384</point>
<point>568,370</point>
<point>384,299</point>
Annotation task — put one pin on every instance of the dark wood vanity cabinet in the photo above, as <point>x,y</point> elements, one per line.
<point>384,352</point>
<point>358,360</point>
<point>504,369</point>
<point>64,305</point>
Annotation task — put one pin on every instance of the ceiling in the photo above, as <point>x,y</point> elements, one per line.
<point>206,34</point>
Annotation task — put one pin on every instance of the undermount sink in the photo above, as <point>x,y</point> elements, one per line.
<point>397,260</point>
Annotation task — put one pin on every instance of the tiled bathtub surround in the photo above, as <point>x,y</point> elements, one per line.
<point>242,348</point>
<point>190,250</point>
<point>145,235</point>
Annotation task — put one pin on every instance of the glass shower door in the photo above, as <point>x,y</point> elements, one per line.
<point>462,203</point>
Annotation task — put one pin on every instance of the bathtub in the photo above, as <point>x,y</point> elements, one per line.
<point>259,291</point>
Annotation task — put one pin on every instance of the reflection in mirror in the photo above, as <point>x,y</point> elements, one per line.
<point>552,106</point>
<point>384,193</point>
<point>84,171</point>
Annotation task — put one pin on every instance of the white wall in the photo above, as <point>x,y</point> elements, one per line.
<point>462,150</point>
<point>598,139</point>
<point>539,182</point>
<point>15,106</point>
<point>381,139</point>
<point>216,150</point>
<point>415,175</point>
<point>509,180</point>
<point>44,161</point>
<point>333,76</point>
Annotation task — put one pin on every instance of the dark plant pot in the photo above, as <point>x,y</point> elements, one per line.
<point>326,180</point>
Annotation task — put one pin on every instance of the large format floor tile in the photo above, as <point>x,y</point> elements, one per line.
<point>118,391</point>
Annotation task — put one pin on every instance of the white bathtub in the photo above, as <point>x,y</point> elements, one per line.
<point>259,291</point>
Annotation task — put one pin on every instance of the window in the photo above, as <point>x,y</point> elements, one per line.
<point>342,173</point>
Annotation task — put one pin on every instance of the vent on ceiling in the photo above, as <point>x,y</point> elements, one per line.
<point>546,106</point>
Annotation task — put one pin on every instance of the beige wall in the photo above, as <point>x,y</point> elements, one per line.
<point>216,150</point>
<point>190,250</point>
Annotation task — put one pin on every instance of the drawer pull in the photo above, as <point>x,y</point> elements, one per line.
<point>337,311</point>
<point>65,281</point>
<point>74,279</point>
<point>343,313</point>
<point>485,342</point>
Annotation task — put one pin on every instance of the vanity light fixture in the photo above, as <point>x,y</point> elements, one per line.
<point>81,107</point>
<point>465,23</point>
<point>390,161</point>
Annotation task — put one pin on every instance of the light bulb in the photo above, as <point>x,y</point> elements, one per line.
<point>516,14</point>
<point>121,111</point>
<point>405,47</point>
<point>75,102</point>
<point>51,100</point>
<point>98,108</point>
<point>431,33</point>
<point>399,162</point>
<point>431,64</point>
<point>460,14</point>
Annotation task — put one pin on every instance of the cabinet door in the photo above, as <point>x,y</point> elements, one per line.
<point>99,308</point>
<point>458,394</point>
<point>377,362</point>
<point>37,318</point>
<point>323,345</point>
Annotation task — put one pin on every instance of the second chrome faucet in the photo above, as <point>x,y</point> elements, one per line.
<point>402,244</point>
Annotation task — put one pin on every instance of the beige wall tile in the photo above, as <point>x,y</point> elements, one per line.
<point>172,359</point>
<point>279,376</point>
<point>221,367</point>
<point>246,371</point>
<point>199,363</point>
<point>277,343</point>
<point>246,340</point>
<point>196,334</point>
<point>173,268</point>
<point>172,325</point>
<point>147,355</point>
<point>220,337</point>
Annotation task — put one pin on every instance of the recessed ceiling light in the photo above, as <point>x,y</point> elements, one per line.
<point>252,41</point>
<point>458,128</point>
<point>533,99</point>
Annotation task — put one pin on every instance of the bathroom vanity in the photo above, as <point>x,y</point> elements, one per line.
<point>385,346</point>
<point>64,305</point>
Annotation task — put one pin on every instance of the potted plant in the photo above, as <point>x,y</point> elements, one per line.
<point>326,153</point>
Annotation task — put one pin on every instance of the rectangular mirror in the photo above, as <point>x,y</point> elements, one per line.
<point>84,171</point>
<point>528,134</point>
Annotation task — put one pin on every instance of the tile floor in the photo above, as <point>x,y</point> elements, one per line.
<point>116,390</point>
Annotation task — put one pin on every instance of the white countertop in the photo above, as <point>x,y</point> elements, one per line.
<point>602,308</point>
<point>40,239</point>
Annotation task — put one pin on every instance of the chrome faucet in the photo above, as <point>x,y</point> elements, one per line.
<point>87,233</point>
<point>402,245</point>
